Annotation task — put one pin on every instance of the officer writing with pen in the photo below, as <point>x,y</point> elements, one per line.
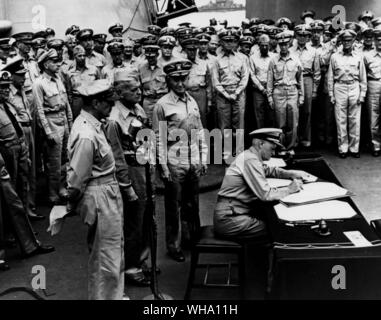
<point>245,187</point>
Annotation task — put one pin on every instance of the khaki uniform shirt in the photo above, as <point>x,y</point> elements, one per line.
<point>245,179</point>
<point>19,105</point>
<point>285,71</point>
<point>118,135</point>
<point>259,67</point>
<point>347,67</point>
<point>310,60</point>
<point>152,80</point>
<point>109,71</point>
<point>96,59</point>
<point>172,113</point>
<point>10,130</point>
<point>231,73</point>
<point>49,95</point>
<point>90,155</point>
<point>372,60</point>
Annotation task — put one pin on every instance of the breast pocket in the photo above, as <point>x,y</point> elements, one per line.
<point>6,129</point>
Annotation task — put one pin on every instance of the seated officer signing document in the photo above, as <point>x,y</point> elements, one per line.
<point>245,185</point>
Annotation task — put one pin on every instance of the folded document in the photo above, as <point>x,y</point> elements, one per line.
<point>315,192</point>
<point>326,210</point>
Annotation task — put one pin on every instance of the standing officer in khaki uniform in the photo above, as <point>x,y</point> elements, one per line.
<point>85,39</point>
<point>99,42</point>
<point>372,60</point>
<point>285,90</point>
<point>259,67</point>
<point>80,71</point>
<point>152,78</point>
<point>94,192</point>
<point>19,106</point>
<point>116,49</point>
<point>55,118</point>
<point>347,86</point>
<point>309,58</point>
<point>131,175</point>
<point>166,44</point>
<point>182,159</point>
<point>199,84</point>
<point>230,78</point>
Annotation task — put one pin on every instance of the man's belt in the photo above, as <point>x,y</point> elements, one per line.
<point>374,79</point>
<point>53,111</point>
<point>346,81</point>
<point>26,124</point>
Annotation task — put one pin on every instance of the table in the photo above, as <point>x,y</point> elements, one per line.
<point>305,265</point>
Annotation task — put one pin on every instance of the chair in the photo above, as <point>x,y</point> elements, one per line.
<point>208,243</point>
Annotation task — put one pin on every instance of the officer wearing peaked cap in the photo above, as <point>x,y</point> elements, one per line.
<point>182,34</point>
<point>209,30</point>
<point>152,78</point>
<point>230,77</point>
<point>245,186</point>
<point>168,31</point>
<point>99,42</point>
<point>18,105</point>
<point>347,86</point>
<point>259,66</point>
<point>55,118</point>
<point>116,50</point>
<point>365,18</point>
<point>180,171</point>
<point>79,72</point>
<point>372,60</point>
<point>166,43</point>
<point>85,39</point>
<point>376,22</point>
<point>285,89</point>
<point>284,23</point>
<point>50,33</point>
<point>368,37</point>
<point>154,29</point>
<point>310,60</point>
<point>116,30</point>
<point>199,81</point>
<point>73,30</point>
<point>94,192</point>
<point>245,44</point>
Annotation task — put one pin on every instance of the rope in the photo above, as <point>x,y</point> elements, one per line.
<point>133,17</point>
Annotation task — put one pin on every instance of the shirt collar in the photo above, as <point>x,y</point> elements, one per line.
<point>286,58</point>
<point>50,78</point>
<point>125,112</point>
<point>176,98</point>
<point>253,150</point>
<point>224,53</point>
<point>92,120</point>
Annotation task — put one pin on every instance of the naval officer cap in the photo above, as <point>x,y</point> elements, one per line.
<point>302,30</point>
<point>246,33</point>
<point>74,29</point>
<point>347,34</point>
<point>14,66</point>
<point>366,14</point>
<point>272,135</point>
<point>368,32</point>
<point>317,25</point>
<point>230,34</point>
<point>100,89</point>
<point>115,47</point>
<point>246,40</point>
<point>85,34</point>
<point>168,31</point>
<point>191,43</point>
<point>255,21</point>
<point>377,33</point>
<point>283,37</point>
<point>25,37</point>
<point>353,26</point>
<point>154,29</point>
<point>5,44</point>
<point>203,38</point>
<point>100,37</point>
<point>209,30</point>
<point>283,20</point>
<point>179,67</point>
<point>116,27</point>
<point>5,77</point>
<point>166,41</point>
<point>55,44</point>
